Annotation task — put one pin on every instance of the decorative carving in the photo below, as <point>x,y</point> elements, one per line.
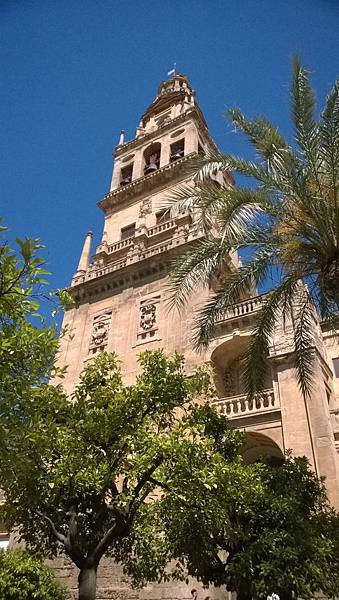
<point>145,207</point>
<point>101,324</point>
<point>229,383</point>
<point>147,316</point>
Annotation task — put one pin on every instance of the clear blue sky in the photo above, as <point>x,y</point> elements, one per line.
<point>75,72</point>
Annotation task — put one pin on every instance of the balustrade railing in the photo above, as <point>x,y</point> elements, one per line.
<point>244,308</point>
<point>104,270</point>
<point>241,406</point>
<point>161,227</point>
<point>119,245</point>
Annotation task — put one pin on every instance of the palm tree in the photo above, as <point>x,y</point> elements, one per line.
<point>288,217</point>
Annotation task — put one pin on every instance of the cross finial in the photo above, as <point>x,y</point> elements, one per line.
<point>173,72</point>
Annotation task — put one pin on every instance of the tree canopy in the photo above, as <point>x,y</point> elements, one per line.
<point>147,473</point>
<point>27,350</point>
<point>277,534</point>
<point>83,473</point>
<point>287,219</point>
<point>25,577</point>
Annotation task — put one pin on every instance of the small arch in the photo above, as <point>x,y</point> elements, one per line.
<point>128,158</point>
<point>261,447</point>
<point>176,133</point>
<point>177,150</point>
<point>152,158</point>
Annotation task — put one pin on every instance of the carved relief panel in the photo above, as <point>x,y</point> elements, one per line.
<point>148,319</point>
<point>145,207</point>
<point>100,330</point>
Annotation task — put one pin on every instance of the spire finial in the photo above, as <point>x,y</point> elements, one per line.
<point>173,72</point>
<point>122,137</point>
<point>85,254</point>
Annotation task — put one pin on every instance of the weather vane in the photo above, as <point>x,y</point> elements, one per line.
<point>172,72</point>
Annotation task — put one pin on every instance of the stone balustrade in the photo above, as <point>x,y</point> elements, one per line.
<point>120,245</point>
<point>241,406</point>
<point>162,227</point>
<point>334,412</point>
<point>92,273</point>
<point>242,309</point>
<point>130,250</point>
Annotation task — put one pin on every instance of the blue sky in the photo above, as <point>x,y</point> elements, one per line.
<point>75,72</point>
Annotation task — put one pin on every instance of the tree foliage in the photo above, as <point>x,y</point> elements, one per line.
<point>257,530</point>
<point>24,577</point>
<point>83,473</point>
<point>287,219</point>
<point>27,350</point>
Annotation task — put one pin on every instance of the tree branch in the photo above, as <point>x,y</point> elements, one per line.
<point>60,537</point>
<point>146,477</point>
<point>119,529</point>
<point>76,557</point>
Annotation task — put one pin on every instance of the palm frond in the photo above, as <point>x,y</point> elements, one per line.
<point>239,211</point>
<point>234,289</point>
<point>195,268</point>
<point>304,342</point>
<point>182,199</point>
<point>254,359</point>
<point>303,106</point>
<point>329,147</point>
<point>306,129</point>
<point>262,135</point>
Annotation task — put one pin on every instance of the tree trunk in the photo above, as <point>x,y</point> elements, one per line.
<point>87,581</point>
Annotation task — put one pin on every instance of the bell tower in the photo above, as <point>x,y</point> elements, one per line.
<point>121,293</point>
<point>121,305</point>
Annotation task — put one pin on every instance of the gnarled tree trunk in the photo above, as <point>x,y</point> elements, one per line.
<point>87,581</point>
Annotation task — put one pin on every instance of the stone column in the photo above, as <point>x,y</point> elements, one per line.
<point>116,175</point>
<point>138,165</point>
<point>85,254</point>
<point>84,259</point>
<point>165,151</point>
<point>191,139</point>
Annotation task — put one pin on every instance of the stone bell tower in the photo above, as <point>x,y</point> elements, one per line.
<point>120,305</point>
<point>121,294</point>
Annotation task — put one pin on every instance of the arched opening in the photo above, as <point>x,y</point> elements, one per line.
<point>227,364</point>
<point>177,150</point>
<point>260,447</point>
<point>152,158</point>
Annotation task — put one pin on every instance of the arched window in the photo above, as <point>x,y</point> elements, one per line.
<point>177,150</point>
<point>152,158</point>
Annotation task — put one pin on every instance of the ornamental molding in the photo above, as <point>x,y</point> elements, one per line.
<point>145,207</point>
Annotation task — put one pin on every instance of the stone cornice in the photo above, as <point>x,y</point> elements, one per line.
<point>113,278</point>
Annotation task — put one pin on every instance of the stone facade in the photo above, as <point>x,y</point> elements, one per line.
<point>121,305</point>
